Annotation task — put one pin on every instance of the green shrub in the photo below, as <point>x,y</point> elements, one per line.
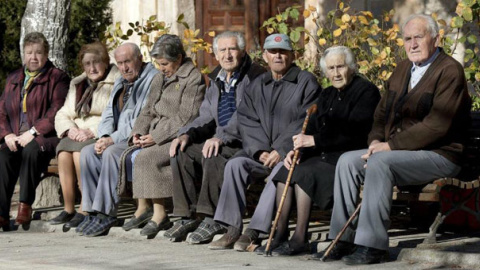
<point>376,42</point>
<point>87,23</point>
<point>11,12</point>
<point>150,30</point>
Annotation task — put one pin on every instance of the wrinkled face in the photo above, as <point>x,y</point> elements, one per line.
<point>418,42</point>
<point>94,67</point>
<point>229,54</point>
<point>338,72</point>
<point>278,60</point>
<point>168,68</point>
<point>128,63</point>
<point>34,56</point>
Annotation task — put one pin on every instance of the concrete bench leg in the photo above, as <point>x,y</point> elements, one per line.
<point>48,193</point>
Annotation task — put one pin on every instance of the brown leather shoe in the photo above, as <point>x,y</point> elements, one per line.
<point>225,242</point>
<point>24,215</point>
<point>244,242</point>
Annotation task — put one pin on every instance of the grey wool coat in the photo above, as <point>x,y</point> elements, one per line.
<point>172,103</point>
<point>273,111</point>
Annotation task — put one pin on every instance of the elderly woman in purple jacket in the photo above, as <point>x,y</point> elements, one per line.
<point>33,95</point>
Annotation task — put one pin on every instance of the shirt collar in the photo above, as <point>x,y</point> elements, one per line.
<point>429,61</point>
<point>222,76</point>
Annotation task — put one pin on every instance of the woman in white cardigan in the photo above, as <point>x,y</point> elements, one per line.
<point>77,121</point>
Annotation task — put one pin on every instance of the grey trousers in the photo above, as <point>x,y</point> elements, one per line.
<point>99,175</point>
<point>263,215</point>
<point>189,168</point>
<point>239,172</point>
<point>384,171</point>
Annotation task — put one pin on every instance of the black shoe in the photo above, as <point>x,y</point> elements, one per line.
<point>338,252</point>
<point>366,255</point>
<point>135,222</point>
<point>261,249</point>
<point>63,217</point>
<point>288,249</point>
<point>75,221</point>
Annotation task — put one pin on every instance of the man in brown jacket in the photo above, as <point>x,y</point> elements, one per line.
<point>417,136</point>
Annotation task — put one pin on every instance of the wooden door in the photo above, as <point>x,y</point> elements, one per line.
<point>244,16</point>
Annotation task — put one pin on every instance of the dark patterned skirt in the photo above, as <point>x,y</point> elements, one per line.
<point>315,176</point>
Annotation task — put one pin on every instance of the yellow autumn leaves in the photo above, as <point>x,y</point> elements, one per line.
<point>151,29</point>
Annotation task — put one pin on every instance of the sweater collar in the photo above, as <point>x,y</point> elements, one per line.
<point>243,70</point>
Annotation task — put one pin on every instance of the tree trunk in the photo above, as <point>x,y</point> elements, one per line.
<point>49,17</point>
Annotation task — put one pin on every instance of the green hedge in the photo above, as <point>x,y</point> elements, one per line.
<point>11,13</point>
<point>87,23</point>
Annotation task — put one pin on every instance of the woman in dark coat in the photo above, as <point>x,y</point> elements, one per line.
<point>341,123</point>
<point>33,95</point>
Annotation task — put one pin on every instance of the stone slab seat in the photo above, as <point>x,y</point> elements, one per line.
<point>52,167</point>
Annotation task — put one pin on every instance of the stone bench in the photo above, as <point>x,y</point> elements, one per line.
<point>49,192</point>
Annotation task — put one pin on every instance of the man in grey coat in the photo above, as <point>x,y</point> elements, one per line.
<point>202,148</point>
<point>99,162</point>
<point>272,111</point>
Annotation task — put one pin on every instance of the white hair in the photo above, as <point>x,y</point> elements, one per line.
<point>349,57</point>
<point>133,46</point>
<point>432,26</point>
<point>229,34</point>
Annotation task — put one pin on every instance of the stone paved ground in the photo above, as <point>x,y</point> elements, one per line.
<point>120,250</point>
<point>47,247</point>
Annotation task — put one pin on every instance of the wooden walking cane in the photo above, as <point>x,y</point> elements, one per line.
<point>310,111</point>
<point>337,238</point>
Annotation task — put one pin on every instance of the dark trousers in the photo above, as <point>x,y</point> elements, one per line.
<point>189,168</point>
<point>27,164</point>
